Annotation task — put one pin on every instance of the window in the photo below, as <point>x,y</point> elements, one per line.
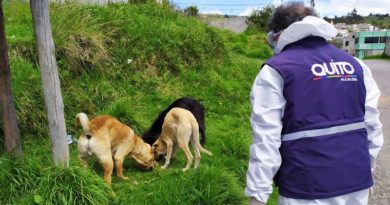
<point>382,39</point>
<point>371,40</point>
<point>356,40</point>
<point>346,43</point>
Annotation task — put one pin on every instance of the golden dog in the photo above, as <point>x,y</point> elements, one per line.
<point>107,138</point>
<point>179,128</point>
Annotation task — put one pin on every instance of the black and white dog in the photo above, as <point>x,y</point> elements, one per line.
<point>189,104</point>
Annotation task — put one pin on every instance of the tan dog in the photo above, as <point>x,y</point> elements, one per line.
<point>179,128</point>
<point>107,138</point>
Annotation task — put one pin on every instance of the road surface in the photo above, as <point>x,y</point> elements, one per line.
<point>381,73</point>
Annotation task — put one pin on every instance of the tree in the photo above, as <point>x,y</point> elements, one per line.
<point>259,18</point>
<point>191,11</point>
<point>10,125</point>
<point>327,19</point>
<point>354,17</point>
<point>51,81</point>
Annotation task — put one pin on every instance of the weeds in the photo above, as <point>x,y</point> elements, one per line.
<point>131,61</point>
<point>26,182</point>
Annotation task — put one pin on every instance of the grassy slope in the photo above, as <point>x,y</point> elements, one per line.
<point>172,56</point>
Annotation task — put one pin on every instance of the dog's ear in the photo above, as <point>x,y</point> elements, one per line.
<point>77,122</point>
<point>154,146</point>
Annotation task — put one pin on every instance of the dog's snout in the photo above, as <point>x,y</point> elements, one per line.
<point>149,168</point>
<point>159,157</point>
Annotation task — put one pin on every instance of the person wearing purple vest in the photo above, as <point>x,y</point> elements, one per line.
<point>316,129</point>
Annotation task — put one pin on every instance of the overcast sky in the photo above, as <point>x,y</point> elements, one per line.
<point>328,8</point>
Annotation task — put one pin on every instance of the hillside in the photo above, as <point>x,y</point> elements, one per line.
<point>131,62</point>
<point>381,21</point>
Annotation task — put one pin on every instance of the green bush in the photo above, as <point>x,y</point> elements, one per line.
<point>205,186</point>
<point>28,97</point>
<point>378,56</point>
<point>73,185</point>
<point>18,178</point>
<point>251,43</point>
<point>259,18</point>
<point>262,52</point>
<point>154,38</point>
<point>239,48</point>
<point>131,61</point>
<point>25,181</point>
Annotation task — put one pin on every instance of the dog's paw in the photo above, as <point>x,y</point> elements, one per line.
<point>122,177</point>
<point>125,178</point>
<point>184,169</point>
<point>164,167</point>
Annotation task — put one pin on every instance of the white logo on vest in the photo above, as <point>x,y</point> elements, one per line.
<point>343,70</point>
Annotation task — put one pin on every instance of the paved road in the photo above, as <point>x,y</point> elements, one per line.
<point>381,72</point>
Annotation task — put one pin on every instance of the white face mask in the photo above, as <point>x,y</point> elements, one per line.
<point>271,36</point>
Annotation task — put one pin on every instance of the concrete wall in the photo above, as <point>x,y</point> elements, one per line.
<point>367,49</point>
<point>373,52</point>
<point>350,46</point>
<point>235,24</point>
<point>387,48</point>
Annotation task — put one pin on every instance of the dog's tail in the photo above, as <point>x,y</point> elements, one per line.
<point>82,119</point>
<point>205,150</point>
<point>195,135</point>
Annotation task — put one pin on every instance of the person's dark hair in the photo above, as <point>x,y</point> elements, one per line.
<point>287,14</point>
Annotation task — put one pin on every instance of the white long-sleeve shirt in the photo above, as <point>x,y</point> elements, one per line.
<point>268,106</point>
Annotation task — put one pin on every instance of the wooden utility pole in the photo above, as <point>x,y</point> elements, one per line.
<point>7,106</point>
<point>51,81</point>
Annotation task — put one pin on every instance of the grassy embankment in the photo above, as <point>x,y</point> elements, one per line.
<point>382,56</point>
<point>131,61</point>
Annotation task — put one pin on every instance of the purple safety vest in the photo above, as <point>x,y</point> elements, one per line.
<point>324,140</point>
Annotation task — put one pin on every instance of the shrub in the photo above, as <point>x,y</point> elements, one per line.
<point>149,57</point>
<point>28,96</point>
<point>259,18</point>
<point>24,181</point>
<point>18,178</point>
<point>73,185</point>
<point>154,38</point>
<point>251,43</point>
<point>191,11</point>
<point>205,186</point>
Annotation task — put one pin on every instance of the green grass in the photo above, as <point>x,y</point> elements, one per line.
<point>26,181</point>
<point>172,56</point>
<point>251,44</point>
<point>382,56</point>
